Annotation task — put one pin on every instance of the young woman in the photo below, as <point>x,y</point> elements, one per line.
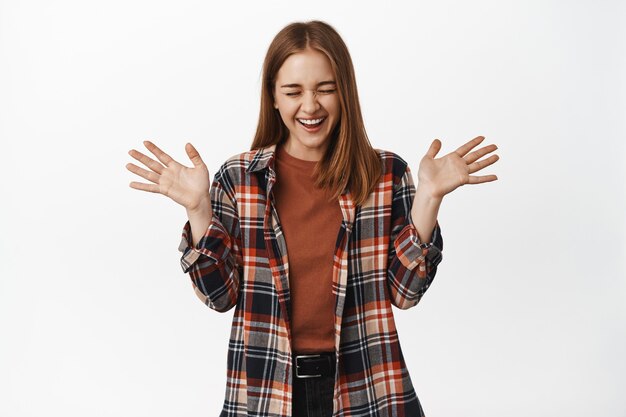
<point>313,235</point>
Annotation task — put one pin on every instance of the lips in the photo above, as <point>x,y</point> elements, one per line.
<point>319,119</point>
<point>312,128</point>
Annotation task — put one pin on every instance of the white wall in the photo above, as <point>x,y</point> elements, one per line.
<point>527,314</point>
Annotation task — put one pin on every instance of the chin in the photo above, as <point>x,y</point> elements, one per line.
<point>316,141</point>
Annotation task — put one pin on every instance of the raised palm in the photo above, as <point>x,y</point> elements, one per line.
<point>443,175</point>
<point>188,187</point>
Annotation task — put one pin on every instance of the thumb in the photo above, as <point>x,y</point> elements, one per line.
<point>435,147</point>
<point>193,155</point>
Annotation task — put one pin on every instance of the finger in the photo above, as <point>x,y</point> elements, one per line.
<point>144,187</point>
<point>147,161</point>
<point>462,150</point>
<point>435,147</point>
<point>193,154</point>
<point>479,153</point>
<point>477,166</point>
<point>149,175</point>
<point>473,179</point>
<point>162,156</point>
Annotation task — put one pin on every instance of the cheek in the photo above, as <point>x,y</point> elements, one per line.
<point>334,107</point>
<point>289,111</point>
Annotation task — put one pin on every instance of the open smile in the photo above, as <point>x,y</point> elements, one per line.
<point>312,125</point>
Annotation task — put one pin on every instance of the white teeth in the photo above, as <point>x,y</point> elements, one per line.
<point>311,122</point>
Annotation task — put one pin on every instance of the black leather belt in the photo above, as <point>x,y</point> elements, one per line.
<point>314,365</point>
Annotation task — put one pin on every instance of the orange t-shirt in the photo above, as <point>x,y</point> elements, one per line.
<point>310,224</point>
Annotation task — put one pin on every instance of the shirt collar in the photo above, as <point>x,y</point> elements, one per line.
<point>262,159</point>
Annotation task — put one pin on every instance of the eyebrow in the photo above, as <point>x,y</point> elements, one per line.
<point>298,85</point>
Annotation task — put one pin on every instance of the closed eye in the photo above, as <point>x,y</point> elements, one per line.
<point>319,91</point>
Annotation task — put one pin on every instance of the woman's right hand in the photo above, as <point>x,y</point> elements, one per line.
<point>188,187</point>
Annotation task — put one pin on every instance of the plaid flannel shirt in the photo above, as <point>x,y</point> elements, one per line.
<point>241,261</point>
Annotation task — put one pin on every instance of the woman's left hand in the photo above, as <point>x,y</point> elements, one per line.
<point>443,175</point>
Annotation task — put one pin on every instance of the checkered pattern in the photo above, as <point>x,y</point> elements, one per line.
<point>242,262</point>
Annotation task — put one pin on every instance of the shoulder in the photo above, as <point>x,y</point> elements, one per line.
<point>239,161</point>
<point>236,165</point>
<point>233,171</point>
<point>394,166</point>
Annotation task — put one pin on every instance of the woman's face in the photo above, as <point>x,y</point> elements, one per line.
<point>306,89</point>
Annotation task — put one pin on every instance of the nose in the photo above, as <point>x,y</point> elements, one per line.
<point>310,103</point>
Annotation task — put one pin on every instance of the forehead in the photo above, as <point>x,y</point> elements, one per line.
<point>307,67</point>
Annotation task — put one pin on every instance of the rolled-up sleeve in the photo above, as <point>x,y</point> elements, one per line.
<point>412,264</point>
<point>215,263</point>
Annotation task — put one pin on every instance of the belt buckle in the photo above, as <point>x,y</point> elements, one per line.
<point>297,366</point>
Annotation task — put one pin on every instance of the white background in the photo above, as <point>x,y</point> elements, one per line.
<point>527,314</point>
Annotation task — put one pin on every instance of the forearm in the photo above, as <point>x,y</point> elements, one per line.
<point>424,212</point>
<point>199,220</point>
